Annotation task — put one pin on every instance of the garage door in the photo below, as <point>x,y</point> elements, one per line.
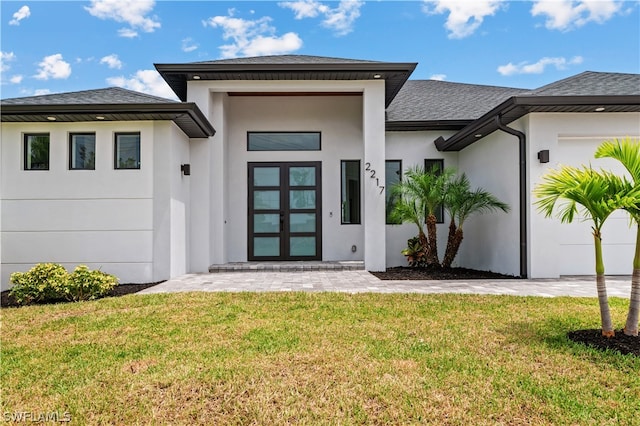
<point>576,240</point>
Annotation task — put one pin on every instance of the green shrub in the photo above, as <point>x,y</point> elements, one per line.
<point>50,282</point>
<point>85,284</point>
<point>41,283</point>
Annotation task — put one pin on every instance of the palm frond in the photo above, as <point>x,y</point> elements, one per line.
<point>626,151</point>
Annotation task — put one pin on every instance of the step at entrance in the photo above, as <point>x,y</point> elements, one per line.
<point>290,266</point>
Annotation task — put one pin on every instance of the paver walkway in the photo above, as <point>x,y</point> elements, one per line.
<point>364,282</point>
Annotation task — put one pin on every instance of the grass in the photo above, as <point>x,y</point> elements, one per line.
<point>316,358</point>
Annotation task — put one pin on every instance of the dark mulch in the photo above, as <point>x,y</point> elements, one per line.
<point>119,290</point>
<point>620,342</point>
<point>407,273</point>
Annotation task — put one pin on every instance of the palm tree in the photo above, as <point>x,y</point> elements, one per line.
<point>461,202</point>
<point>418,196</point>
<point>599,194</point>
<point>627,151</point>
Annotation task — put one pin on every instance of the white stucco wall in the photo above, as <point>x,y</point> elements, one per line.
<point>567,249</point>
<point>131,223</point>
<point>338,119</point>
<point>412,148</point>
<point>219,211</point>
<point>492,240</point>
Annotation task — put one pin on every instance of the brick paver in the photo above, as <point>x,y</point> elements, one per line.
<point>364,282</point>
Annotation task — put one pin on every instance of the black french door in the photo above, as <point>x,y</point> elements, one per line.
<point>285,211</point>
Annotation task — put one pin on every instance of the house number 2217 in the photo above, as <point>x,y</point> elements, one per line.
<point>367,168</point>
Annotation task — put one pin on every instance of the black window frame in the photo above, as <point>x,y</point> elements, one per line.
<point>286,133</point>
<point>71,135</point>
<point>115,150</point>
<point>428,165</point>
<point>27,151</point>
<point>388,190</point>
<point>342,194</point>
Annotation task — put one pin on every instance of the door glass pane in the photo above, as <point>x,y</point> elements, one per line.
<point>305,199</point>
<point>266,200</point>
<point>392,173</point>
<point>266,222</point>
<point>266,246</point>
<point>302,176</point>
<point>302,246</point>
<point>302,222</point>
<point>266,176</point>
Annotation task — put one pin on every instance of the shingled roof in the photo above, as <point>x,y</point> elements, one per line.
<point>432,104</point>
<point>287,67</point>
<point>588,92</point>
<point>110,104</point>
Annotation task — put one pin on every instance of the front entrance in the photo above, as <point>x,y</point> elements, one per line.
<point>285,221</point>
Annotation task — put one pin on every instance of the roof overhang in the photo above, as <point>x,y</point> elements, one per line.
<point>187,116</point>
<point>394,74</point>
<point>518,106</point>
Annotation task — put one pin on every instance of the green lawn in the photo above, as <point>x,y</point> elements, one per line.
<point>316,358</point>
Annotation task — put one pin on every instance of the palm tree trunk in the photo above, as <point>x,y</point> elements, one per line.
<point>432,247</point>
<point>450,255</point>
<point>448,250</point>
<point>631,326</point>
<point>601,285</point>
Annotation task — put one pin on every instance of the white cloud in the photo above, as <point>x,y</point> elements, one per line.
<point>252,37</point>
<point>566,15</point>
<point>16,79</point>
<point>21,14</point>
<point>538,67</point>
<point>339,19</point>
<point>188,45</point>
<point>127,33</point>
<point>145,81</point>
<point>465,17</point>
<point>40,92</point>
<point>112,61</point>
<point>132,12</point>
<point>53,66</point>
<point>5,58</point>
<point>438,77</point>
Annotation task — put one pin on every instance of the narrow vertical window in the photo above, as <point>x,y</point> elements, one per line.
<point>350,183</point>
<point>127,151</point>
<point>393,175</point>
<point>36,151</point>
<point>82,151</point>
<point>438,165</point>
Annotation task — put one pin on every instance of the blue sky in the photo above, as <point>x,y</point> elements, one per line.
<point>52,47</point>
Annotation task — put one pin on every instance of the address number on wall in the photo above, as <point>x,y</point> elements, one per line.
<point>372,172</point>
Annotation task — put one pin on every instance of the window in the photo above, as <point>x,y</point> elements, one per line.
<point>350,190</point>
<point>82,151</point>
<point>439,166</point>
<point>393,175</point>
<point>127,151</point>
<point>283,141</point>
<point>36,151</point>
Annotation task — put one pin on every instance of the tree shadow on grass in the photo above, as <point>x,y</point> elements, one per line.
<point>557,333</point>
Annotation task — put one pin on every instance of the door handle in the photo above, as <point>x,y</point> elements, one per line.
<point>281,221</point>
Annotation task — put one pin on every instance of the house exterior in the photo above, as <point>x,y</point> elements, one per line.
<point>289,158</point>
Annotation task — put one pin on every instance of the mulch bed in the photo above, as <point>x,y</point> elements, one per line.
<point>626,345</point>
<point>119,290</point>
<point>407,273</point>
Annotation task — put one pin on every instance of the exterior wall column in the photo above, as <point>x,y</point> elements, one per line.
<point>218,179</point>
<point>200,200</point>
<point>373,129</point>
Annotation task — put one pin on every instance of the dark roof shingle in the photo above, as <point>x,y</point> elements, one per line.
<point>441,100</point>
<point>590,83</point>
<point>110,95</point>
